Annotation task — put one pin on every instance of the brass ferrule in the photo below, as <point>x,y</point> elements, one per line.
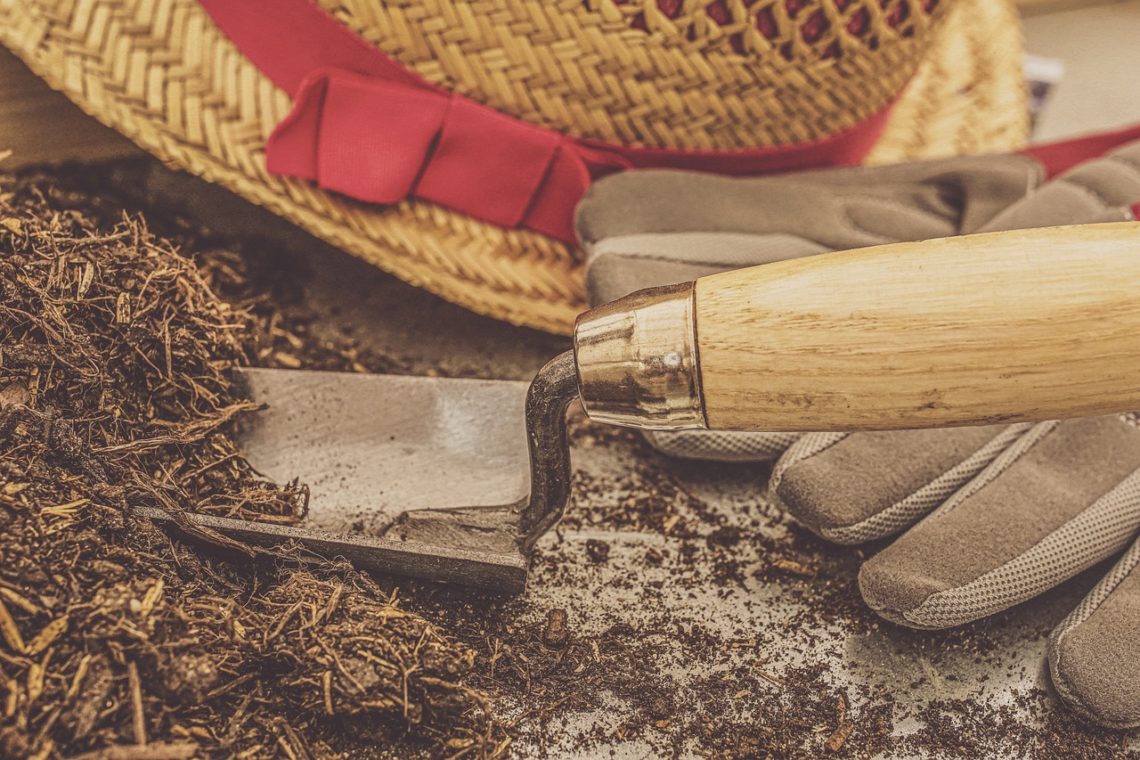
<point>637,361</point>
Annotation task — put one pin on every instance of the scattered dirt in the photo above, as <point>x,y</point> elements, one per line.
<point>243,654</point>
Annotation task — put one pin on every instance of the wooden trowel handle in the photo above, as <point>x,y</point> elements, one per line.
<point>999,327</point>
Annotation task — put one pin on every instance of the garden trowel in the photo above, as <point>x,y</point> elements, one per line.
<point>454,479</point>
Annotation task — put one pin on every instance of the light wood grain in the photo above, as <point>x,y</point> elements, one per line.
<point>1008,326</point>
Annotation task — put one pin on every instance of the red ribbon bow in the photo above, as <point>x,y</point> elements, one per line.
<point>382,141</point>
<point>364,125</point>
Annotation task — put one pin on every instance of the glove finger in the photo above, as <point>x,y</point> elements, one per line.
<point>851,488</point>
<point>1051,505</point>
<point>1093,657</point>
<point>839,208</point>
<point>620,265</point>
<point>1101,190</point>
<point>721,446</point>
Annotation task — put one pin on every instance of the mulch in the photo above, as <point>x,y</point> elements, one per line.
<point>117,639</point>
<point>120,640</point>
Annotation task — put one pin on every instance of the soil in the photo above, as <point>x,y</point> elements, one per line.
<point>658,621</point>
<point>113,373</point>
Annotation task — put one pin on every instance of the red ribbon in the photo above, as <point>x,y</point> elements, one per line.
<point>365,126</point>
<point>1058,157</point>
<point>382,141</point>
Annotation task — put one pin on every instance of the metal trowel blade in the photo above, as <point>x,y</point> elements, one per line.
<point>416,476</point>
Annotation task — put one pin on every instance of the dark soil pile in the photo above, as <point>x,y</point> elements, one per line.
<point>114,394</point>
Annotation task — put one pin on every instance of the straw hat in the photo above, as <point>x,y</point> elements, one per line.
<point>581,87</point>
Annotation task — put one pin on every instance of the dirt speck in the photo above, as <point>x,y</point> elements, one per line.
<point>597,551</point>
<point>557,631</point>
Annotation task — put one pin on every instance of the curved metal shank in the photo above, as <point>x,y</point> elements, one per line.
<point>550,394</point>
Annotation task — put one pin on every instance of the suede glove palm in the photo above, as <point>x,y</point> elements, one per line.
<point>1003,513</point>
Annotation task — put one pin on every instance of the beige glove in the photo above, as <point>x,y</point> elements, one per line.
<point>1013,511</point>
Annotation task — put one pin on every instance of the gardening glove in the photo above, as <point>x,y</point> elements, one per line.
<point>649,228</point>
<point>1003,513</point>
<point>1035,504</point>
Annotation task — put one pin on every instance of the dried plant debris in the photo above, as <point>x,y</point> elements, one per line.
<point>117,639</point>
<point>659,621</point>
<point>252,274</point>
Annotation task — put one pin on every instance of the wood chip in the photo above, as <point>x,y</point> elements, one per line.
<point>65,510</point>
<point>326,685</point>
<point>13,699</point>
<point>10,632</point>
<point>785,565</point>
<point>150,599</point>
<point>49,634</point>
<point>557,631</point>
<point>123,309</point>
<point>86,277</point>
<point>77,679</point>
<point>35,681</point>
<point>11,489</point>
<point>138,716</point>
<point>27,605</point>
<point>287,360</point>
<point>839,736</point>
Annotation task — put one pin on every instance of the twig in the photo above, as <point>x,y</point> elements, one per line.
<point>10,631</point>
<point>229,686</point>
<point>165,751</point>
<point>138,717</point>
<point>295,745</point>
<point>190,433</point>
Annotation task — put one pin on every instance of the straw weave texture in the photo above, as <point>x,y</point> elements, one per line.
<point>668,74</point>
<point>656,72</point>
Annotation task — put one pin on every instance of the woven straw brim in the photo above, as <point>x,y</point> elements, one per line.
<point>162,74</point>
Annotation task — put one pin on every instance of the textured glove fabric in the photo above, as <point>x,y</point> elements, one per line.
<point>850,488</point>
<point>1054,503</point>
<point>1058,498</point>
<point>1092,653</point>
<point>1000,515</point>
<point>986,517</point>
<point>837,209</point>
